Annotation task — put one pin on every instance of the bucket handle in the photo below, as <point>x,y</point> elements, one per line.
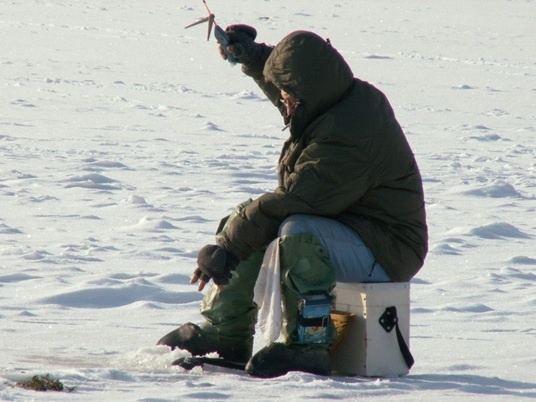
<point>388,321</point>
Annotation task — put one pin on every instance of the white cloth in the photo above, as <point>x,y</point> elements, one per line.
<point>267,294</point>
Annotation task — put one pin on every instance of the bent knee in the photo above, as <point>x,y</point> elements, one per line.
<point>294,225</point>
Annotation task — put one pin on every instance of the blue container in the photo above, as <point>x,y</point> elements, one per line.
<point>314,310</point>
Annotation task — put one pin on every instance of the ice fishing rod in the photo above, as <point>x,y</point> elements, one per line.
<point>221,36</point>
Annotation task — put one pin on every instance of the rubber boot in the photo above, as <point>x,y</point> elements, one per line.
<point>305,267</point>
<point>201,340</point>
<point>278,359</point>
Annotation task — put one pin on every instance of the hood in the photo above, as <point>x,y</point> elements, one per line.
<point>312,71</point>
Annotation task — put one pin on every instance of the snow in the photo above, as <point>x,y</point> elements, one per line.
<point>125,138</point>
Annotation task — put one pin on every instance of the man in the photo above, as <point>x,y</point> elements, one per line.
<point>349,205</point>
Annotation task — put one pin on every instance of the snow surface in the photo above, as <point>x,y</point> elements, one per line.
<point>125,138</point>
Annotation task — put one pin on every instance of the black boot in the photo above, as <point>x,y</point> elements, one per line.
<point>203,340</point>
<point>278,359</point>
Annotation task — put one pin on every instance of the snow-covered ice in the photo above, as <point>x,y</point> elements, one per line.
<point>125,138</point>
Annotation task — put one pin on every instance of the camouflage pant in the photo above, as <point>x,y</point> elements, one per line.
<point>305,267</point>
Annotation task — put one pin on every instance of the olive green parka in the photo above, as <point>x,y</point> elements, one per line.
<point>347,158</point>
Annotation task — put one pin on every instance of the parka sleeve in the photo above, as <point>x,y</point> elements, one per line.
<point>327,179</point>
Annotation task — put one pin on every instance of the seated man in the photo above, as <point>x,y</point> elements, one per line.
<point>349,205</point>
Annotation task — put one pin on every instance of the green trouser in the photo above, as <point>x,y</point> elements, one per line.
<point>305,267</point>
<point>232,310</point>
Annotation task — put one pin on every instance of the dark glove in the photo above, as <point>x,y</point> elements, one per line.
<point>217,263</point>
<point>242,44</point>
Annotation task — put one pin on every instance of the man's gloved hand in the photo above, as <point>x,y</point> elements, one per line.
<point>242,44</point>
<point>214,262</point>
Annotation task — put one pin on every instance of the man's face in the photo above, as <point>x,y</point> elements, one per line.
<point>290,103</point>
